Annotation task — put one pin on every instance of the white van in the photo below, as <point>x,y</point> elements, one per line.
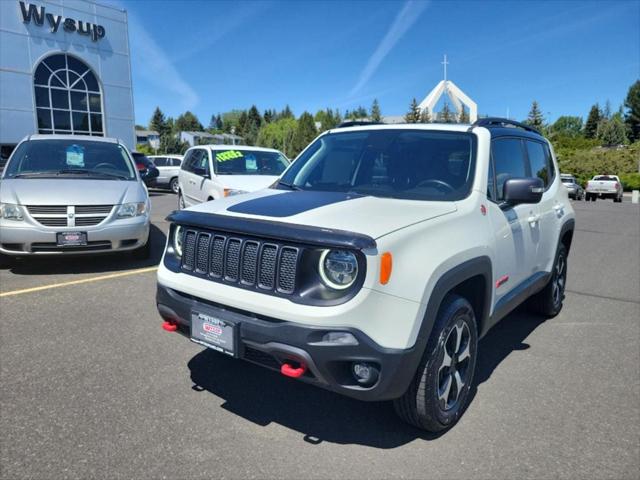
<point>209,172</point>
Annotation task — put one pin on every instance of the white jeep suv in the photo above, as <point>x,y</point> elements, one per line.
<point>377,262</point>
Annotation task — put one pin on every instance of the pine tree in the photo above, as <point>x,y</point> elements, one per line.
<point>158,123</point>
<point>375,115</point>
<point>424,116</point>
<point>446,116</point>
<point>212,123</point>
<point>606,111</point>
<point>535,118</point>
<point>464,116</point>
<point>612,132</point>
<point>413,115</point>
<point>286,113</point>
<point>305,132</point>
<point>632,116</point>
<point>188,122</point>
<point>591,127</point>
<point>268,116</point>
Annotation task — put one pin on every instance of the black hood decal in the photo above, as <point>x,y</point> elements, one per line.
<point>290,203</point>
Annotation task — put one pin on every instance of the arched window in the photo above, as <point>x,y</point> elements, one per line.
<point>68,97</point>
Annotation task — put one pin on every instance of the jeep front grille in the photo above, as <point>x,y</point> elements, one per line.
<point>231,259</point>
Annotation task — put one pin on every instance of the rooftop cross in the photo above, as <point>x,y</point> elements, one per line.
<point>445,63</point>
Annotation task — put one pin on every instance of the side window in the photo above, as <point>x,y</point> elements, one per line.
<point>187,163</point>
<point>176,162</point>
<point>509,162</point>
<point>552,167</point>
<point>204,162</point>
<point>539,162</point>
<point>159,161</point>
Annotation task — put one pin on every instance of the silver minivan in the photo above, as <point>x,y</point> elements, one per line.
<point>72,194</point>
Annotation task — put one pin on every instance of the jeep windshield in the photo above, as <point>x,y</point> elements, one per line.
<point>249,162</point>
<point>70,158</point>
<point>389,163</point>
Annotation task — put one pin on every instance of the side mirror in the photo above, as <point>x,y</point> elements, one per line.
<point>523,190</point>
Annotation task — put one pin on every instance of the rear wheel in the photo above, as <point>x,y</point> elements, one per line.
<point>174,185</point>
<point>439,392</point>
<point>549,300</point>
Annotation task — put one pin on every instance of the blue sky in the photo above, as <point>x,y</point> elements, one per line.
<point>211,57</point>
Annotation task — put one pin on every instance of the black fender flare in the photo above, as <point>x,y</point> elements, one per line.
<point>478,266</point>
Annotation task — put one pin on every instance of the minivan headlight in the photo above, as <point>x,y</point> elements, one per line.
<point>128,210</point>
<point>338,268</point>
<point>9,211</point>
<point>177,240</point>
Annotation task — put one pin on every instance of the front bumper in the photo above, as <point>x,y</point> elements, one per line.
<point>270,343</point>
<point>28,238</point>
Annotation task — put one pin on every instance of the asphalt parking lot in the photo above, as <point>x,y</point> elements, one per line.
<point>91,386</point>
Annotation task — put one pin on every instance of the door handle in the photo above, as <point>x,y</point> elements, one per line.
<point>533,219</point>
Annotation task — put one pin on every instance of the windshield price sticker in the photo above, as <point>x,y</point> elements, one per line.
<point>75,156</point>
<point>228,155</point>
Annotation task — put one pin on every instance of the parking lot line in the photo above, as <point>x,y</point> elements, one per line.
<point>77,282</point>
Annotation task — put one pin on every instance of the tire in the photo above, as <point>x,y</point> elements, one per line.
<point>143,252</point>
<point>181,204</point>
<point>435,401</point>
<point>174,185</point>
<point>549,300</point>
<point>593,198</point>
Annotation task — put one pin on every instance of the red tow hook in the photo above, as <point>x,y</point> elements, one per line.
<point>170,326</point>
<point>290,371</point>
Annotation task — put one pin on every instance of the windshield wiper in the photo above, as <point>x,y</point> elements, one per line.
<point>81,171</point>
<point>33,174</point>
<point>289,186</point>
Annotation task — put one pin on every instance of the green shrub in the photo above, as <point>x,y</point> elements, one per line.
<point>630,181</point>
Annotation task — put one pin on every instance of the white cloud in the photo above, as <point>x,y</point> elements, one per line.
<point>152,63</point>
<point>405,19</point>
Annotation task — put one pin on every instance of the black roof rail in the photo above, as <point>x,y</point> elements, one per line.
<point>357,123</point>
<point>502,122</point>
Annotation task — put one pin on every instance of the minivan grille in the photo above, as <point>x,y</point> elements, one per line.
<point>224,258</point>
<point>58,215</point>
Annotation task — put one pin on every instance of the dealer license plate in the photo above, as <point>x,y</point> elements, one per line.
<point>210,330</point>
<point>72,239</point>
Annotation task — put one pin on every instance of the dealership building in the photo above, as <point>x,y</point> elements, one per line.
<point>64,68</point>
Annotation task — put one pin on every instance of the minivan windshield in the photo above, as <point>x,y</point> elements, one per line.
<point>70,158</point>
<point>249,162</point>
<point>399,163</point>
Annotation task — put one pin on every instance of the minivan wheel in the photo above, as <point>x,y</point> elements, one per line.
<point>174,185</point>
<point>439,392</point>
<point>549,300</point>
<point>181,205</point>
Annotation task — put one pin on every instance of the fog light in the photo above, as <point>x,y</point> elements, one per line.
<point>339,338</point>
<point>365,373</point>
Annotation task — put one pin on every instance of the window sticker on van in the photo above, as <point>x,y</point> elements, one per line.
<point>75,156</point>
<point>228,155</point>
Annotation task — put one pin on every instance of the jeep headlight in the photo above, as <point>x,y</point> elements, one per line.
<point>9,211</point>
<point>177,240</point>
<point>128,210</point>
<point>338,268</point>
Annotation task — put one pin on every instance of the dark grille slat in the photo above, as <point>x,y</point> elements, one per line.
<point>47,209</point>
<point>87,221</point>
<point>268,266</point>
<point>189,250</point>
<point>287,269</point>
<point>80,209</point>
<point>52,221</point>
<point>232,260</point>
<point>217,257</point>
<point>246,262</point>
<point>250,262</point>
<point>202,255</point>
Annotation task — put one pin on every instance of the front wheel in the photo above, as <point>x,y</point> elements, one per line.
<point>439,392</point>
<point>181,204</point>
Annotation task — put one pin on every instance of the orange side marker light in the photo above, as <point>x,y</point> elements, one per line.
<point>386,265</point>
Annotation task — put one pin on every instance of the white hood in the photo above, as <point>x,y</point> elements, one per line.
<point>248,183</point>
<point>367,215</point>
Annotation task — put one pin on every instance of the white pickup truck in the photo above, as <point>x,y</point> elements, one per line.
<point>604,186</point>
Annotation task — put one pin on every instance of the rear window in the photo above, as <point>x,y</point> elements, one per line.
<point>58,157</point>
<point>249,162</point>
<point>606,178</point>
<point>568,180</point>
